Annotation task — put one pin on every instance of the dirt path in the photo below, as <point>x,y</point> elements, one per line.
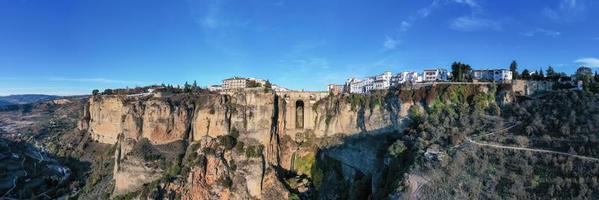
<point>416,182</point>
<point>523,148</point>
<point>15,178</point>
<point>530,149</point>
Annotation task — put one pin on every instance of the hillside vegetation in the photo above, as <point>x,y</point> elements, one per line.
<point>562,121</point>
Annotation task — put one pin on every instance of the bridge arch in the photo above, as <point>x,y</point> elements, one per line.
<point>299,114</point>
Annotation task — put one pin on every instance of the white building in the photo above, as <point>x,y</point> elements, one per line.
<point>414,77</point>
<point>240,83</point>
<point>379,82</point>
<point>382,81</point>
<point>278,88</point>
<point>492,75</point>
<point>399,78</point>
<point>438,74</point>
<point>215,88</point>
<point>235,83</point>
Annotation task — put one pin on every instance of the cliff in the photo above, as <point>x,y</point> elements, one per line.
<point>279,130</point>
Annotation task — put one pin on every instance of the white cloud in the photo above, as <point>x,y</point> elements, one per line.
<point>426,11</point>
<point>471,23</point>
<point>541,31</point>
<point>390,43</point>
<point>404,26</point>
<point>589,62</point>
<point>566,10</point>
<point>471,3</point>
<point>209,22</point>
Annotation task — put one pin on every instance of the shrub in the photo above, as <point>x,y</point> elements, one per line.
<point>228,141</point>
<point>239,147</point>
<point>303,164</point>
<point>254,151</point>
<point>234,132</point>
<point>226,182</point>
<point>397,149</point>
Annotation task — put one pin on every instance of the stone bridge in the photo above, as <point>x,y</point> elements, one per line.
<point>300,116</point>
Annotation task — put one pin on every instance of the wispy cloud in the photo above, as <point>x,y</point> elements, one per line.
<point>95,80</point>
<point>426,11</point>
<point>392,40</point>
<point>475,20</point>
<point>471,23</point>
<point>566,10</point>
<point>470,3</point>
<point>390,43</point>
<point>589,62</point>
<point>206,12</point>
<point>541,31</point>
<point>404,26</point>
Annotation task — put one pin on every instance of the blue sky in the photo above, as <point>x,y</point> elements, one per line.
<point>71,47</point>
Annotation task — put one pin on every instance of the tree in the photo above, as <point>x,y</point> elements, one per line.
<point>526,74</point>
<point>534,75</point>
<point>194,86</point>
<point>541,75</point>
<point>460,71</point>
<point>583,72</point>
<point>186,87</point>
<point>95,92</point>
<point>514,69</point>
<point>397,148</point>
<point>267,86</point>
<point>551,74</point>
<point>108,91</point>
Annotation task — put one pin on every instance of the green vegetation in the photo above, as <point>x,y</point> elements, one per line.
<point>174,169</point>
<point>239,147</point>
<point>228,141</point>
<point>562,121</point>
<point>356,100</point>
<point>460,72</point>
<point>254,151</point>
<point>397,149</point>
<point>514,70</point>
<point>303,164</point>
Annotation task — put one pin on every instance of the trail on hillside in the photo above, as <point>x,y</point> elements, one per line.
<point>530,149</point>
<point>470,140</point>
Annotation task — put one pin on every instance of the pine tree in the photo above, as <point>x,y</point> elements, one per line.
<point>526,74</point>
<point>194,87</point>
<point>514,69</point>
<point>551,75</point>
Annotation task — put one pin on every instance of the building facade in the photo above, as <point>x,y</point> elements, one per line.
<point>366,85</point>
<point>492,75</point>
<point>335,89</point>
<point>235,83</point>
<point>438,74</point>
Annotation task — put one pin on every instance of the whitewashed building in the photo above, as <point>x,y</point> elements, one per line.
<point>438,74</point>
<point>382,81</point>
<point>215,88</point>
<point>235,83</point>
<point>379,82</point>
<point>492,75</point>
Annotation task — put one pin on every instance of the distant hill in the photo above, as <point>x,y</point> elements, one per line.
<point>25,99</point>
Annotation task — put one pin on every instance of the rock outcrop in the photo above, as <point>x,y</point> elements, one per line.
<point>278,123</point>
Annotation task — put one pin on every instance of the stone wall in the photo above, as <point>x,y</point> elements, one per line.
<point>525,87</point>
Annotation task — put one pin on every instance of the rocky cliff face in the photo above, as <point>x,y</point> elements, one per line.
<point>278,130</point>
